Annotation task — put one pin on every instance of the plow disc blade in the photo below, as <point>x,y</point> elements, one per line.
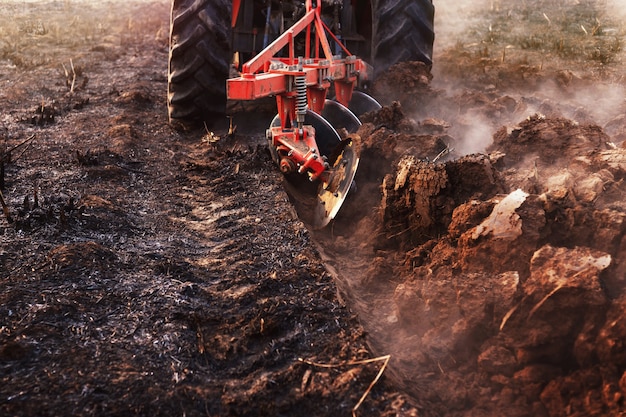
<point>326,136</point>
<point>317,203</point>
<point>332,195</point>
<point>339,116</point>
<point>361,103</point>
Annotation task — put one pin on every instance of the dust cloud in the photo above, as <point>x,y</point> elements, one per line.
<point>616,8</point>
<point>474,29</point>
<point>454,19</point>
<point>474,134</point>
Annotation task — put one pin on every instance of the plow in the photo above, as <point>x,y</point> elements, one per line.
<point>317,82</point>
<point>303,138</point>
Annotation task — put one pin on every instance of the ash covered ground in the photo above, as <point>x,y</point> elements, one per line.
<point>149,271</point>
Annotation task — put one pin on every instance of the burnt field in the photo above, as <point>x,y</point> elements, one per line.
<point>150,271</point>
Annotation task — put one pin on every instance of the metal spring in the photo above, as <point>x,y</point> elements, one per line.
<point>301,99</point>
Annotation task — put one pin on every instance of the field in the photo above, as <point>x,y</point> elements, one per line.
<point>479,265</point>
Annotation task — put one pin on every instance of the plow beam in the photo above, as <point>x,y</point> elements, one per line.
<point>345,73</point>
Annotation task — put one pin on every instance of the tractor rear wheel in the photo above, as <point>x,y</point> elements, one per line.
<point>199,60</point>
<point>402,31</point>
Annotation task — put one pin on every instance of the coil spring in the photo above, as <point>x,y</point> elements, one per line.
<point>301,99</point>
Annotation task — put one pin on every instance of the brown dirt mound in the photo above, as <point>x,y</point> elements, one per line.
<point>406,82</point>
<point>549,140</point>
<point>509,279</point>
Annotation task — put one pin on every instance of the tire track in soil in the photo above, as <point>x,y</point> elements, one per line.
<point>179,281</point>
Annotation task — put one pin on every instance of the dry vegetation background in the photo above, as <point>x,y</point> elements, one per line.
<point>563,53</point>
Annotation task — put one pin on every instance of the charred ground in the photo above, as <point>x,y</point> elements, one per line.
<point>147,271</point>
<point>150,271</point>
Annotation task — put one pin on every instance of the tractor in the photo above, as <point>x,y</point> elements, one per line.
<point>316,57</point>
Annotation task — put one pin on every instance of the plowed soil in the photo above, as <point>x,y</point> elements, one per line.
<point>146,270</point>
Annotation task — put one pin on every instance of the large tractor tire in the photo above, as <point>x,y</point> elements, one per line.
<point>402,31</point>
<point>199,60</point>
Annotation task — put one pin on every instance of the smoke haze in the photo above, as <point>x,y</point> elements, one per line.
<point>465,27</point>
<point>453,19</point>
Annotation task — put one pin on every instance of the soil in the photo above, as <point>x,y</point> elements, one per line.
<point>146,270</point>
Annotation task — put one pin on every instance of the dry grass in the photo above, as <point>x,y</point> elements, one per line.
<point>40,34</point>
<point>384,359</point>
<point>539,31</point>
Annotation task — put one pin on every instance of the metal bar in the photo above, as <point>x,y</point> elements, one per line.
<point>292,50</point>
<point>262,85</point>
<point>317,45</point>
<point>268,53</point>
<point>265,85</point>
<point>307,43</point>
<point>336,39</point>
<point>236,5</point>
<point>319,31</point>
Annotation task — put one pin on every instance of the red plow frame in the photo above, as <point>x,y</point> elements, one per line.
<point>300,84</point>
